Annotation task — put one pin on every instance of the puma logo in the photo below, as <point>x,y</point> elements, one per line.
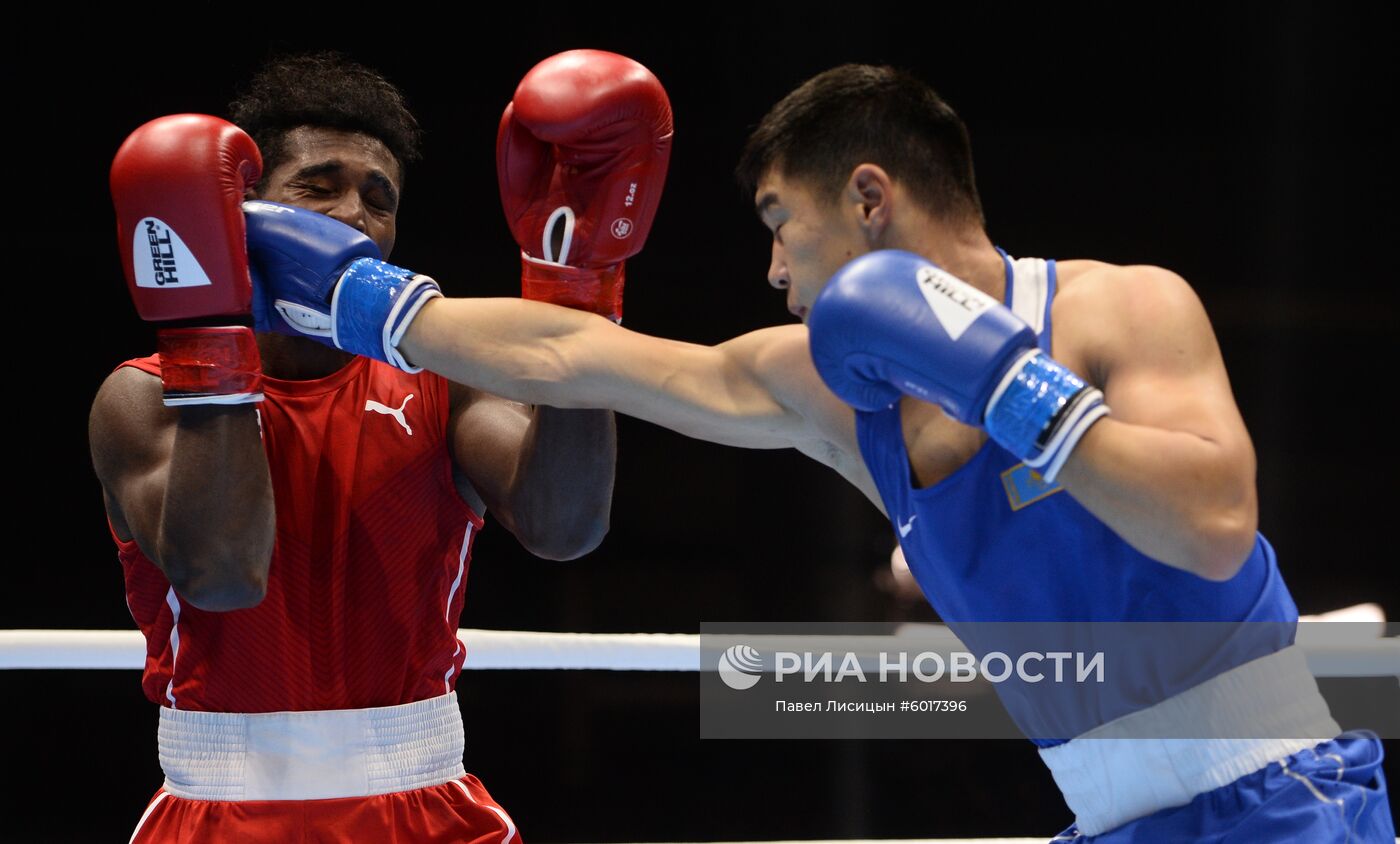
<point>396,412</point>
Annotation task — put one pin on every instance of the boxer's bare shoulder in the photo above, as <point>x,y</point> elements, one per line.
<point>1142,335</point>
<point>1106,317</point>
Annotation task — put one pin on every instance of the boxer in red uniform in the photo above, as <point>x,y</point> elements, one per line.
<point>295,523</point>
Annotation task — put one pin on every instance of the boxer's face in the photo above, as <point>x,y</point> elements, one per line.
<point>812,239</point>
<point>348,176</point>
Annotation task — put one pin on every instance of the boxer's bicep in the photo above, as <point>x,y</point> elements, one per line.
<point>828,429</point>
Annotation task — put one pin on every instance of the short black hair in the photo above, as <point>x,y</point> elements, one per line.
<point>328,90</point>
<point>858,113</point>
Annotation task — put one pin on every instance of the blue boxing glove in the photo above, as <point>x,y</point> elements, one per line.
<point>317,277</point>
<point>891,323</point>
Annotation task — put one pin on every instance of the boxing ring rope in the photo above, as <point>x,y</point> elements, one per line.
<point>519,649</point>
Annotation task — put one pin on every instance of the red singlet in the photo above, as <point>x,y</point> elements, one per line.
<point>363,595</point>
<point>367,576</point>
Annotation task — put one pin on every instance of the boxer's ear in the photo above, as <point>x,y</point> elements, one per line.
<point>871,191</point>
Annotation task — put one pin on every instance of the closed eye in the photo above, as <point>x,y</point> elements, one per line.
<point>314,190</point>
<point>379,205</point>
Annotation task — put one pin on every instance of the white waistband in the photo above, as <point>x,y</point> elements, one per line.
<point>311,755</point>
<point>1135,765</point>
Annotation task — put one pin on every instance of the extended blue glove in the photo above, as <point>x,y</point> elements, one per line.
<point>890,322</point>
<point>317,277</point>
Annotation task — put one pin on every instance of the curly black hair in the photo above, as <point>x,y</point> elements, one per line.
<point>329,90</point>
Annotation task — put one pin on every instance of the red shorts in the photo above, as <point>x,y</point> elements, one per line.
<point>456,811</point>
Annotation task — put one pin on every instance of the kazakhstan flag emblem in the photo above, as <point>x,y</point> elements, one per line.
<point>1025,486</point>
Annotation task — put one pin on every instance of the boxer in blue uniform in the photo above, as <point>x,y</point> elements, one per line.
<point>1052,442</point>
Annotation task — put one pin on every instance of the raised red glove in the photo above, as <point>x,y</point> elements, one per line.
<point>178,184</point>
<point>581,157</point>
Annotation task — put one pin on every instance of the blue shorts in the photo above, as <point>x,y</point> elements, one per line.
<point>1334,792</point>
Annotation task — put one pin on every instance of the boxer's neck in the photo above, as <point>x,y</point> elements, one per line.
<point>966,252</point>
<point>299,358</point>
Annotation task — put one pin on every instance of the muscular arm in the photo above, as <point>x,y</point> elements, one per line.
<point>191,486</point>
<point>1171,470</point>
<point>545,473</point>
<point>756,391</point>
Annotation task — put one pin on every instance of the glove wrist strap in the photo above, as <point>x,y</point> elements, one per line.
<point>1040,410</point>
<point>373,306</point>
<point>594,289</point>
<point>209,366</point>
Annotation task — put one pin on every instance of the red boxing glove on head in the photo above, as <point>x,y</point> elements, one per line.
<point>178,184</point>
<point>581,157</point>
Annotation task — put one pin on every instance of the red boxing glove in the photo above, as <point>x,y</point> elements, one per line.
<point>178,184</point>
<point>581,157</point>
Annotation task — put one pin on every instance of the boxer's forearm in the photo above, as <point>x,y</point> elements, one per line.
<point>190,486</point>
<point>217,522</point>
<point>562,490</point>
<point>508,347</point>
<point>547,355</point>
<point>1176,497</point>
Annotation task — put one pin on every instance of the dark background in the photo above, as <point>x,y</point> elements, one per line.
<point>1243,149</point>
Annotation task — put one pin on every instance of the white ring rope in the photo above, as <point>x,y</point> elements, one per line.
<point>513,649</point>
